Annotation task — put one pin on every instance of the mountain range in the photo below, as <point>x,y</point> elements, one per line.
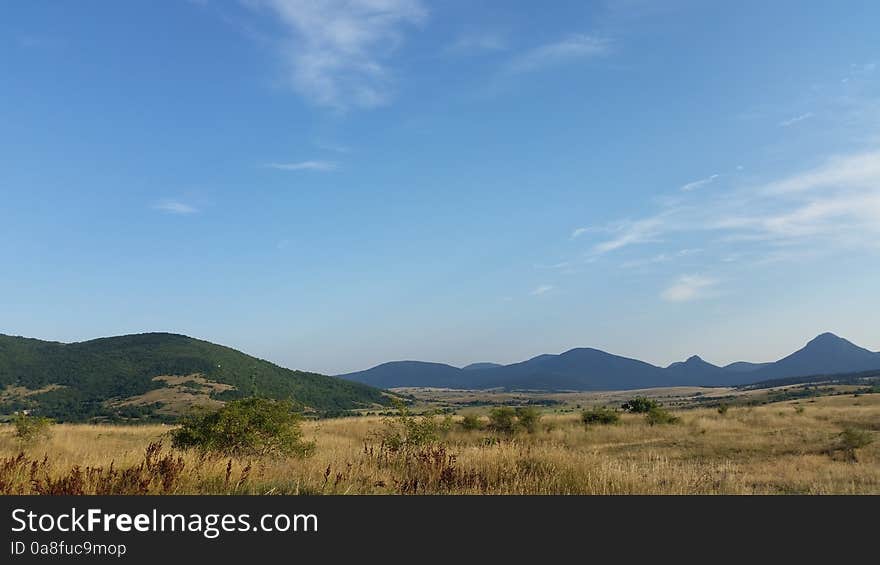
<point>159,376</point>
<point>592,369</point>
<point>155,376</point>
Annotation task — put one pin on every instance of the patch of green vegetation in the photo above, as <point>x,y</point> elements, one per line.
<point>639,405</point>
<point>404,430</point>
<point>471,422</point>
<point>31,429</point>
<point>600,415</point>
<point>255,427</point>
<point>528,418</point>
<point>502,419</point>
<point>506,420</point>
<point>851,439</point>
<point>658,416</point>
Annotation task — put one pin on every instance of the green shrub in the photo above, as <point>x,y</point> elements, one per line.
<point>506,420</point>
<point>527,418</point>
<point>601,415</point>
<point>502,420</point>
<point>247,427</point>
<point>640,405</point>
<point>471,422</point>
<point>722,408</point>
<point>446,424</point>
<point>31,429</point>
<point>657,415</point>
<point>405,431</point>
<point>852,439</point>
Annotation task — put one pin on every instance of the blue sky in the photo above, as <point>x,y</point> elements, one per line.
<point>335,184</point>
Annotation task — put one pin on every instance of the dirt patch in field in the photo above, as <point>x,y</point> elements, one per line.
<point>180,394</point>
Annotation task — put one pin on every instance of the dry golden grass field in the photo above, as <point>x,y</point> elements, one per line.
<point>783,447</point>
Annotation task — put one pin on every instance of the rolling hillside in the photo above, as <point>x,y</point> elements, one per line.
<point>154,375</point>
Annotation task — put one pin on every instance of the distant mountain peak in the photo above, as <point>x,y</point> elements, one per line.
<point>829,343</point>
<point>824,354</point>
<point>826,337</point>
<point>692,361</point>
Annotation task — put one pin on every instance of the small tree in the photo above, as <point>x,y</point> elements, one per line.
<point>31,429</point>
<point>852,439</point>
<point>506,420</point>
<point>599,415</point>
<point>502,420</point>
<point>404,430</point>
<point>639,405</point>
<point>657,415</point>
<point>528,418</point>
<point>471,422</point>
<point>247,427</point>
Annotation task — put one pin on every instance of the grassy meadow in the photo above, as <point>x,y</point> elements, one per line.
<point>783,447</point>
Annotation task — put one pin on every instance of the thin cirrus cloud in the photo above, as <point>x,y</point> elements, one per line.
<point>688,287</point>
<point>577,232</point>
<point>572,48</point>
<point>698,184</point>
<point>336,51</point>
<point>632,232</point>
<point>856,171</point>
<point>542,289</point>
<point>834,204</point>
<point>175,207</point>
<point>792,121</point>
<point>319,166</point>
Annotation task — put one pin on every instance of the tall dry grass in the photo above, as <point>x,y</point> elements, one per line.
<point>761,450</point>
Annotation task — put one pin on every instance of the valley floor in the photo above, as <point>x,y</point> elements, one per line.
<point>784,447</point>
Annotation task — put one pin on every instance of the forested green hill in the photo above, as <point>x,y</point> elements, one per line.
<point>93,379</point>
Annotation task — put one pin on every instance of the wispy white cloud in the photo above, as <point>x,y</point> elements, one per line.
<point>833,206</point>
<point>555,266</point>
<point>575,47</point>
<point>698,184</point>
<point>336,50</point>
<point>688,287</point>
<point>322,166</point>
<point>577,232</point>
<point>792,121</point>
<point>659,258</point>
<point>653,260</point>
<point>632,232</point>
<point>858,171</point>
<point>688,251</point>
<point>170,206</point>
<point>838,202</point>
<point>542,289</point>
